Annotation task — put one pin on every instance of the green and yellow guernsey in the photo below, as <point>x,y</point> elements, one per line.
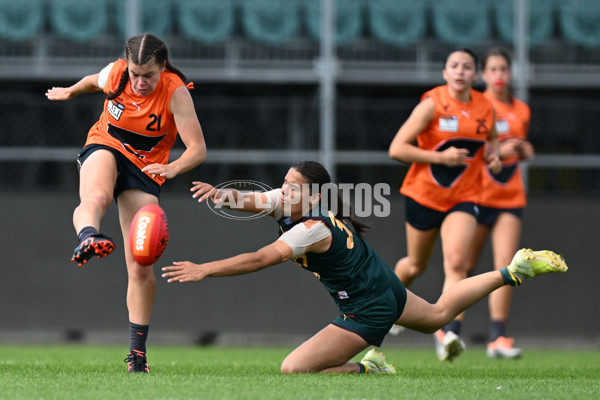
<point>350,270</point>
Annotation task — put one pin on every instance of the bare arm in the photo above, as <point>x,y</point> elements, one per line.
<point>254,202</point>
<point>492,156</point>
<point>185,271</point>
<point>87,84</point>
<point>404,150</point>
<point>191,134</point>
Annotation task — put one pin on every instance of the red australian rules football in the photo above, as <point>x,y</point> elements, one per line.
<point>149,234</point>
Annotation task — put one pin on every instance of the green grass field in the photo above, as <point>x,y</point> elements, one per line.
<point>97,372</point>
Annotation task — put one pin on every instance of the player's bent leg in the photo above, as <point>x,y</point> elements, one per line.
<point>420,245</point>
<point>505,237</point>
<point>327,351</point>
<point>420,315</point>
<point>425,317</point>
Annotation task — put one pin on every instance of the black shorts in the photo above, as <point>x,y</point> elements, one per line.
<point>129,176</point>
<point>425,218</point>
<point>488,215</point>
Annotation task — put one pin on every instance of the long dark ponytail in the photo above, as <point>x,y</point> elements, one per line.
<point>140,50</point>
<point>318,177</point>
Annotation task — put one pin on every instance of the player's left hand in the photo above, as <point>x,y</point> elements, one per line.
<point>164,170</point>
<point>184,271</point>
<point>493,163</point>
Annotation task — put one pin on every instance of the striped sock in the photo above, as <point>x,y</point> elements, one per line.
<point>508,278</point>
<point>363,369</point>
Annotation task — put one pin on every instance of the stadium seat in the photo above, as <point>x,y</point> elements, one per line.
<point>78,20</point>
<point>20,20</point>
<point>579,21</point>
<point>460,22</point>
<point>270,21</point>
<point>397,22</point>
<point>155,16</point>
<point>541,20</point>
<point>206,21</point>
<point>348,19</point>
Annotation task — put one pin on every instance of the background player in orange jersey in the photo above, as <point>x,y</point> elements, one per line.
<point>126,157</point>
<point>503,196</point>
<point>453,126</point>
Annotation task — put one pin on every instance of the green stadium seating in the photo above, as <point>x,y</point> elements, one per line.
<point>271,22</point>
<point>580,21</point>
<point>155,17</point>
<point>397,22</point>
<point>348,20</point>
<point>460,22</point>
<point>78,20</point>
<point>541,20</point>
<point>21,20</point>
<point>206,21</point>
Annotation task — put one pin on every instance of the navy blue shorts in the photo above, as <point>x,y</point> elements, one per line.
<point>129,176</point>
<point>425,218</point>
<point>488,215</point>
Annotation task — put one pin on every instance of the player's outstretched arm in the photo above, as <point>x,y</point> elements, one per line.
<point>185,271</point>
<point>87,84</point>
<point>254,202</point>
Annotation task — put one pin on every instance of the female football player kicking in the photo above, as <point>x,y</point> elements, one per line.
<point>317,232</point>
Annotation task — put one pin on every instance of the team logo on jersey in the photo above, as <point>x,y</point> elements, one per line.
<point>445,175</point>
<point>448,123</point>
<point>482,128</point>
<point>115,109</point>
<point>134,142</point>
<point>342,294</point>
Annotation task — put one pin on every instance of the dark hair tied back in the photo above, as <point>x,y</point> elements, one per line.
<point>141,50</point>
<point>317,175</point>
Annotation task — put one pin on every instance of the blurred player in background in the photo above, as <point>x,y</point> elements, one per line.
<point>126,158</point>
<point>317,232</point>
<point>453,127</point>
<point>503,195</point>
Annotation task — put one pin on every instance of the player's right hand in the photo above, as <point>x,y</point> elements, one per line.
<point>454,156</point>
<point>203,191</point>
<point>59,93</point>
